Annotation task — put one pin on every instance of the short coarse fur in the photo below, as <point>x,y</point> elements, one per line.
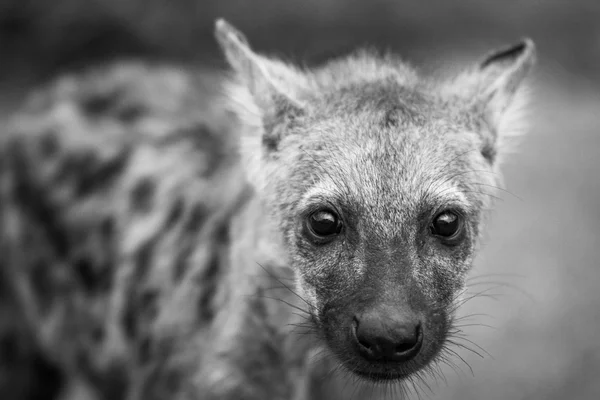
<point>153,235</point>
<point>382,153</point>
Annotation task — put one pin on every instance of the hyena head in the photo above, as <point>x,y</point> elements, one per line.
<point>377,180</point>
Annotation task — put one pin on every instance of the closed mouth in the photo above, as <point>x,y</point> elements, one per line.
<point>380,376</point>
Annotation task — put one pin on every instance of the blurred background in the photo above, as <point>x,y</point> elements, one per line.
<point>542,254</point>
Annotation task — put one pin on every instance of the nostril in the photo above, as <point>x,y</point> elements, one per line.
<point>403,347</point>
<point>362,341</point>
<point>409,342</point>
<point>364,344</point>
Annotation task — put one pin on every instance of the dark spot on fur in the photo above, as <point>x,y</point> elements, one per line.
<point>196,218</point>
<point>489,152</point>
<point>271,142</point>
<point>97,104</point>
<point>130,113</point>
<point>145,350</point>
<point>112,104</point>
<point>175,213</point>
<point>96,176</point>
<point>94,277</point>
<point>112,381</point>
<point>97,334</point>
<point>190,231</point>
<point>42,282</point>
<point>143,259</point>
<point>148,302</point>
<point>24,372</point>
<point>31,198</point>
<point>222,233</point>
<point>208,143</point>
<point>128,317</point>
<point>392,118</point>
<point>212,147</point>
<point>209,280</point>
<point>49,145</point>
<point>181,266</point>
<point>84,270</point>
<point>142,195</point>
<point>139,307</point>
<point>48,378</point>
<point>73,165</point>
<point>107,229</point>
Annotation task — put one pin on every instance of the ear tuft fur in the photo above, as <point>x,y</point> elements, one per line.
<point>494,90</point>
<point>274,86</point>
<point>525,49</point>
<point>501,75</point>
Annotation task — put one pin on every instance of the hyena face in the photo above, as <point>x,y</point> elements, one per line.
<point>378,180</point>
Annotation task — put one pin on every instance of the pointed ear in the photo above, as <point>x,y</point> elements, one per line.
<point>500,76</point>
<point>275,87</point>
<point>494,92</point>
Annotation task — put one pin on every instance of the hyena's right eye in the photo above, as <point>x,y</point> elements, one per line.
<point>323,225</point>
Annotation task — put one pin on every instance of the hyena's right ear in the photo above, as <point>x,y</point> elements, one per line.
<point>275,87</point>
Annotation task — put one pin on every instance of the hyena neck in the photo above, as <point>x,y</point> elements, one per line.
<point>239,101</point>
<point>258,225</point>
<point>268,255</point>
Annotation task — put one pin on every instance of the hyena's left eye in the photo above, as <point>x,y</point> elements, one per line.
<point>323,225</point>
<point>447,225</point>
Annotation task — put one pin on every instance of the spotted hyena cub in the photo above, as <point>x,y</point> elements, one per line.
<point>173,234</point>
<point>376,180</point>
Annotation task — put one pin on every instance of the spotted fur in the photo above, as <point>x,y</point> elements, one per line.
<point>119,191</point>
<point>150,241</point>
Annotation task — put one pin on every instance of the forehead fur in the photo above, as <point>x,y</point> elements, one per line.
<point>389,90</point>
<point>379,137</point>
<point>406,156</point>
<point>362,66</point>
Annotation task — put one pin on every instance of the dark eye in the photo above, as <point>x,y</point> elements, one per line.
<point>446,224</point>
<point>324,224</point>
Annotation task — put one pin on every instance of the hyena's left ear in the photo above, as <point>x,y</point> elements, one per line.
<point>276,88</point>
<point>494,89</point>
<point>501,74</point>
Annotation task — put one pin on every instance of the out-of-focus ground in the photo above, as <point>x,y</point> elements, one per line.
<point>544,239</point>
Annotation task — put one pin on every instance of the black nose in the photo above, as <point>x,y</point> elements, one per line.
<point>387,336</point>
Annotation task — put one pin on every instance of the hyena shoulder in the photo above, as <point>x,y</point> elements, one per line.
<point>120,187</point>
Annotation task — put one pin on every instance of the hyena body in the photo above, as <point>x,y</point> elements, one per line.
<point>163,240</point>
<point>121,247</point>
